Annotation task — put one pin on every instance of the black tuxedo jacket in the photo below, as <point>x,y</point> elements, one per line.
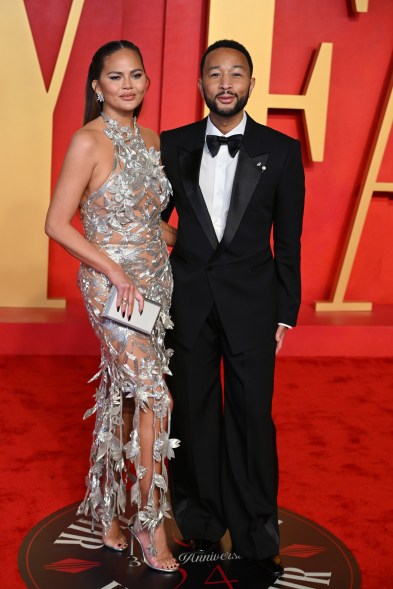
<point>251,288</point>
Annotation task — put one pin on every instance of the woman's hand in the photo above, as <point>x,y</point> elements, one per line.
<point>169,233</point>
<point>126,292</point>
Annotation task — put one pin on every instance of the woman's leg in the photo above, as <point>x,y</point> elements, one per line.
<point>149,448</point>
<point>158,554</point>
<point>113,536</point>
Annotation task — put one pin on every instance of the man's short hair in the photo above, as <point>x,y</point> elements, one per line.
<point>230,44</point>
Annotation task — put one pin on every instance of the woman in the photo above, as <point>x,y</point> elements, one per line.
<point>112,172</point>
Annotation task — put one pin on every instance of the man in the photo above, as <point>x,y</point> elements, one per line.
<point>233,301</point>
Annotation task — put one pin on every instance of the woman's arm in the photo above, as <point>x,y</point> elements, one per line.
<point>78,168</point>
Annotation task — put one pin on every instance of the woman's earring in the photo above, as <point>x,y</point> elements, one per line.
<point>100,97</point>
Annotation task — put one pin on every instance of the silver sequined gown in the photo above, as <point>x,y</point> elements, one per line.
<point>122,219</point>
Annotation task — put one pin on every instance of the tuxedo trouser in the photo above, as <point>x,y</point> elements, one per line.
<point>224,475</point>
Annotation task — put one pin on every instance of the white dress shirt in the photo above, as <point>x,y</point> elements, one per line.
<point>216,177</point>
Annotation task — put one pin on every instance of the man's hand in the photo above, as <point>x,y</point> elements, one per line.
<point>280,335</point>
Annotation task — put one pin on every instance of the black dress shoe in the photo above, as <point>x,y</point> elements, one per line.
<point>200,545</point>
<point>271,565</point>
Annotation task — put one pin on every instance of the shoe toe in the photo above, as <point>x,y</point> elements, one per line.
<point>271,565</point>
<point>201,545</point>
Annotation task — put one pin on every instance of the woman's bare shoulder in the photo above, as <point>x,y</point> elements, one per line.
<point>88,136</point>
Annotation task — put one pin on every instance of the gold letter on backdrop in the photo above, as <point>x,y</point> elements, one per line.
<point>360,5</point>
<point>255,30</point>
<point>26,113</point>
<point>368,187</point>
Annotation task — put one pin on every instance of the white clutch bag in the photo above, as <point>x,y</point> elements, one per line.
<point>144,323</point>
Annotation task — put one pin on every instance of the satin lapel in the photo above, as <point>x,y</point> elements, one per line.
<point>190,163</point>
<point>248,173</point>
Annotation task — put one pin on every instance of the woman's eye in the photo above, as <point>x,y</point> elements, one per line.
<point>137,76</point>
<point>114,77</point>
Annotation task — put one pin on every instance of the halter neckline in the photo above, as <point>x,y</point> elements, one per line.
<point>124,130</point>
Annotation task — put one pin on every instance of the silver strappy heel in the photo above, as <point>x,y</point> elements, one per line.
<point>133,531</point>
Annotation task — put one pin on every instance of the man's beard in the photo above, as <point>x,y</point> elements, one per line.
<point>237,107</point>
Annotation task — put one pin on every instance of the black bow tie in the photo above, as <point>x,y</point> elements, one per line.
<point>214,143</point>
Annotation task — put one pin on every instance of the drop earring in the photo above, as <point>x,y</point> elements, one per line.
<point>100,97</point>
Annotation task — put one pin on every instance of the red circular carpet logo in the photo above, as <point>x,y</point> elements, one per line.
<point>62,552</point>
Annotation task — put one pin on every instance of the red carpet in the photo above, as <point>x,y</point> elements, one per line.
<point>334,421</point>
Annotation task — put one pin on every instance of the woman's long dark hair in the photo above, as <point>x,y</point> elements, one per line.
<point>93,108</point>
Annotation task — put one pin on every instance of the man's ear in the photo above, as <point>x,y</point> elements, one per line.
<point>252,85</point>
<point>200,86</point>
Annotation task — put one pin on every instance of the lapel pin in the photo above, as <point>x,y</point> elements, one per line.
<point>262,168</point>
